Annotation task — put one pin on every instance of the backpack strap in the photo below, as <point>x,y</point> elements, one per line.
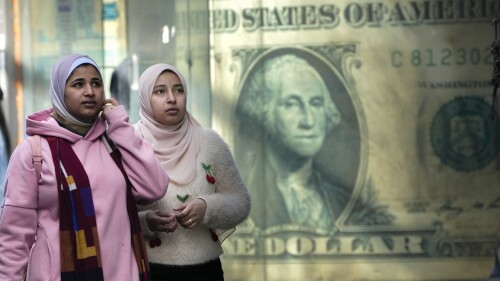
<point>138,245</point>
<point>37,154</point>
<point>115,155</point>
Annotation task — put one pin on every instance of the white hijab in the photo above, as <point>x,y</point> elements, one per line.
<point>176,146</point>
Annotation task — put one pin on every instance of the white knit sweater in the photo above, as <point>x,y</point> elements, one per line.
<point>228,204</point>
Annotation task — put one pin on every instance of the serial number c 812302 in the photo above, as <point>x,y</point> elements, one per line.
<point>441,57</point>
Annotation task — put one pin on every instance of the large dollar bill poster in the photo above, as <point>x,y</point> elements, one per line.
<point>364,132</point>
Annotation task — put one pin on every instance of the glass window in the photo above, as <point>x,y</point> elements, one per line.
<point>51,29</point>
<point>4,147</point>
<point>174,32</point>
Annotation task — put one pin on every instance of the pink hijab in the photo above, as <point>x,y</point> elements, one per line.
<point>176,146</point>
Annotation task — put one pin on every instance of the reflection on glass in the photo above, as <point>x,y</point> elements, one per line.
<point>4,148</point>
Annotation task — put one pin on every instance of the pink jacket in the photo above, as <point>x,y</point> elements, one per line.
<point>29,219</point>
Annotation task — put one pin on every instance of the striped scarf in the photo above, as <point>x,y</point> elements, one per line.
<point>79,240</point>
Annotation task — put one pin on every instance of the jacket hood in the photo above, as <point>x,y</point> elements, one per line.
<point>41,123</point>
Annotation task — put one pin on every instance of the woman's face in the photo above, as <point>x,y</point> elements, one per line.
<point>84,93</point>
<point>299,114</point>
<point>168,100</point>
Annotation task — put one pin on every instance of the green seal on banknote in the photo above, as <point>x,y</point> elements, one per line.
<point>463,134</point>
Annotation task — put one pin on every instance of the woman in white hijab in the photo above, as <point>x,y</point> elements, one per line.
<point>206,194</point>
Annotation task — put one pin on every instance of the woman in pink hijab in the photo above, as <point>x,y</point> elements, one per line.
<point>75,218</point>
<point>206,194</point>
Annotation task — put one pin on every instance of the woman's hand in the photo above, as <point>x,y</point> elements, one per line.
<point>109,104</point>
<point>191,213</point>
<point>161,221</point>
